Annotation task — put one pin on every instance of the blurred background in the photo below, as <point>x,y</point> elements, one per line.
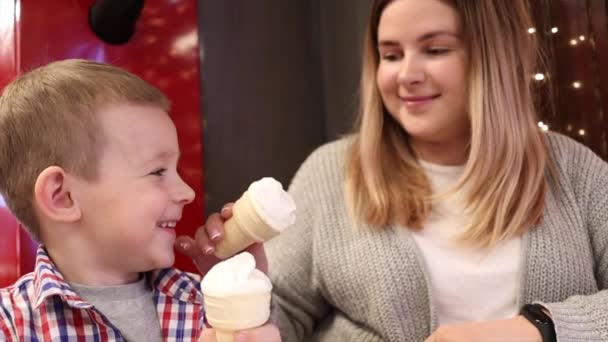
<point>257,85</point>
<point>574,34</point>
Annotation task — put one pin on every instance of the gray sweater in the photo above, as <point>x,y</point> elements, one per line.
<point>334,281</point>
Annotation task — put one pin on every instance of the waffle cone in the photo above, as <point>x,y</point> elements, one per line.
<point>230,314</point>
<point>244,228</point>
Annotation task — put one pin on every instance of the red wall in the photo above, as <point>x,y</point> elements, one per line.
<point>163,51</point>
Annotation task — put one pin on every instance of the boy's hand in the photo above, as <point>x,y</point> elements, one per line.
<point>265,333</point>
<point>202,247</point>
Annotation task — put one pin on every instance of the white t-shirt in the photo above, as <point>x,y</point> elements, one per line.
<point>467,285</point>
<point>2,204</point>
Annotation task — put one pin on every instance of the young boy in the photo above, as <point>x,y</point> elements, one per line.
<point>88,163</point>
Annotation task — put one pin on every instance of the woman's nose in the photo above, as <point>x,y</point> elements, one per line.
<point>411,72</point>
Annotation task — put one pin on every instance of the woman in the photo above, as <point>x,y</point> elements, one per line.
<point>448,216</point>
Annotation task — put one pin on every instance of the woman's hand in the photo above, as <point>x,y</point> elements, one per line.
<point>265,333</point>
<point>506,330</point>
<point>202,247</point>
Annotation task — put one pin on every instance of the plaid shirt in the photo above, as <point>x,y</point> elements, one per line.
<point>41,306</point>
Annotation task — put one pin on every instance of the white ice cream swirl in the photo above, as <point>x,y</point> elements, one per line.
<point>234,276</point>
<point>275,206</point>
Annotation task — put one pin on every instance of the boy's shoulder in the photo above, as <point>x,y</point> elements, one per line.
<point>23,287</point>
<point>15,299</point>
<point>37,298</point>
<point>26,292</point>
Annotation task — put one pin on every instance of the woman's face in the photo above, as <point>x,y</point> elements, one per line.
<point>422,70</point>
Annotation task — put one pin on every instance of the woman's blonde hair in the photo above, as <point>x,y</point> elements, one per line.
<point>504,175</point>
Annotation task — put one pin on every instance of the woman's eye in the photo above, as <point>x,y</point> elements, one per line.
<point>390,56</point>
<point>437,51</point>
<point>159,172</point>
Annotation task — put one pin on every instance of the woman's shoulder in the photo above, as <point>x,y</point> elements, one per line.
<point>330,155</point>
<point>562,144</point>
<point>335,149</point>
<point>573,160</point>
<point>569,153</point>
<point>325,163</point>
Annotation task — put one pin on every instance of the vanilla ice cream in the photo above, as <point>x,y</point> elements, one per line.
<point>273,204</point>
<point>262,212</point>
<point>234,276</point>
<point>236,296</point>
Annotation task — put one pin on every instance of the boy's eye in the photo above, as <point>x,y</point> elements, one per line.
<point>159,172</point>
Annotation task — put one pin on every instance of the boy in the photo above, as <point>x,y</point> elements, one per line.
<point>88,163</point>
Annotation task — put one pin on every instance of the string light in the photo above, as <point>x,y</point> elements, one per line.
<point>539,77</point>
<point>576,84</point>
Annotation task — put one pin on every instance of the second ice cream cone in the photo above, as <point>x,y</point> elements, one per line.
<point>224,335</point>
<point>230,314</point>
<point>244,228</point>
<point>236,296</point>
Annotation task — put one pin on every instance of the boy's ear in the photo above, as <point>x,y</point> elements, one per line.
<point>53,196</point>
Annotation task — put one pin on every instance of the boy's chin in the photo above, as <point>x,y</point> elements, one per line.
<point>155,258</point>
<point>165,262</point>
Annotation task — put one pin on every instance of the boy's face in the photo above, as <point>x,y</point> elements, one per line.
<point>129,213</point>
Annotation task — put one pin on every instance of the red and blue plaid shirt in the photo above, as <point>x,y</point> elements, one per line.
<point>41,306</point>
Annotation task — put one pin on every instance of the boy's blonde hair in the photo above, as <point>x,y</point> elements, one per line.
<point>505,173</point>
<point>48,117</point>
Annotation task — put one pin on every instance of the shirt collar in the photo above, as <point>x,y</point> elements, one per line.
<point>180,285</point>
<point>49,282</point>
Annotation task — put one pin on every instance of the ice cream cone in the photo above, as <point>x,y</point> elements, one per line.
<point>238,312</point>
<point>224,335</point>
<point>236,296</point>
<point>244,228</point>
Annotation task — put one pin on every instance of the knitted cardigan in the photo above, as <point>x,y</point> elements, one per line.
<point>336,281</point>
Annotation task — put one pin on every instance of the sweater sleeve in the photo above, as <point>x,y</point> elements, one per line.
<point>297,304</point>
<point>585,318</point>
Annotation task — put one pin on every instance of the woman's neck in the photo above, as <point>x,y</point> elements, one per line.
<point>442,153</point>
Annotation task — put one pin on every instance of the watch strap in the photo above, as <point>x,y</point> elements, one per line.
<point>535,314</point>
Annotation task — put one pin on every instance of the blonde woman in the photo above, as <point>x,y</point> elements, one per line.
<point>448,215</point>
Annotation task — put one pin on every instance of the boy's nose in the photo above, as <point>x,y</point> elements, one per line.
<point>184,193</point>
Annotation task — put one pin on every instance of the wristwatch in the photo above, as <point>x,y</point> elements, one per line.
<point>535,314</point>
